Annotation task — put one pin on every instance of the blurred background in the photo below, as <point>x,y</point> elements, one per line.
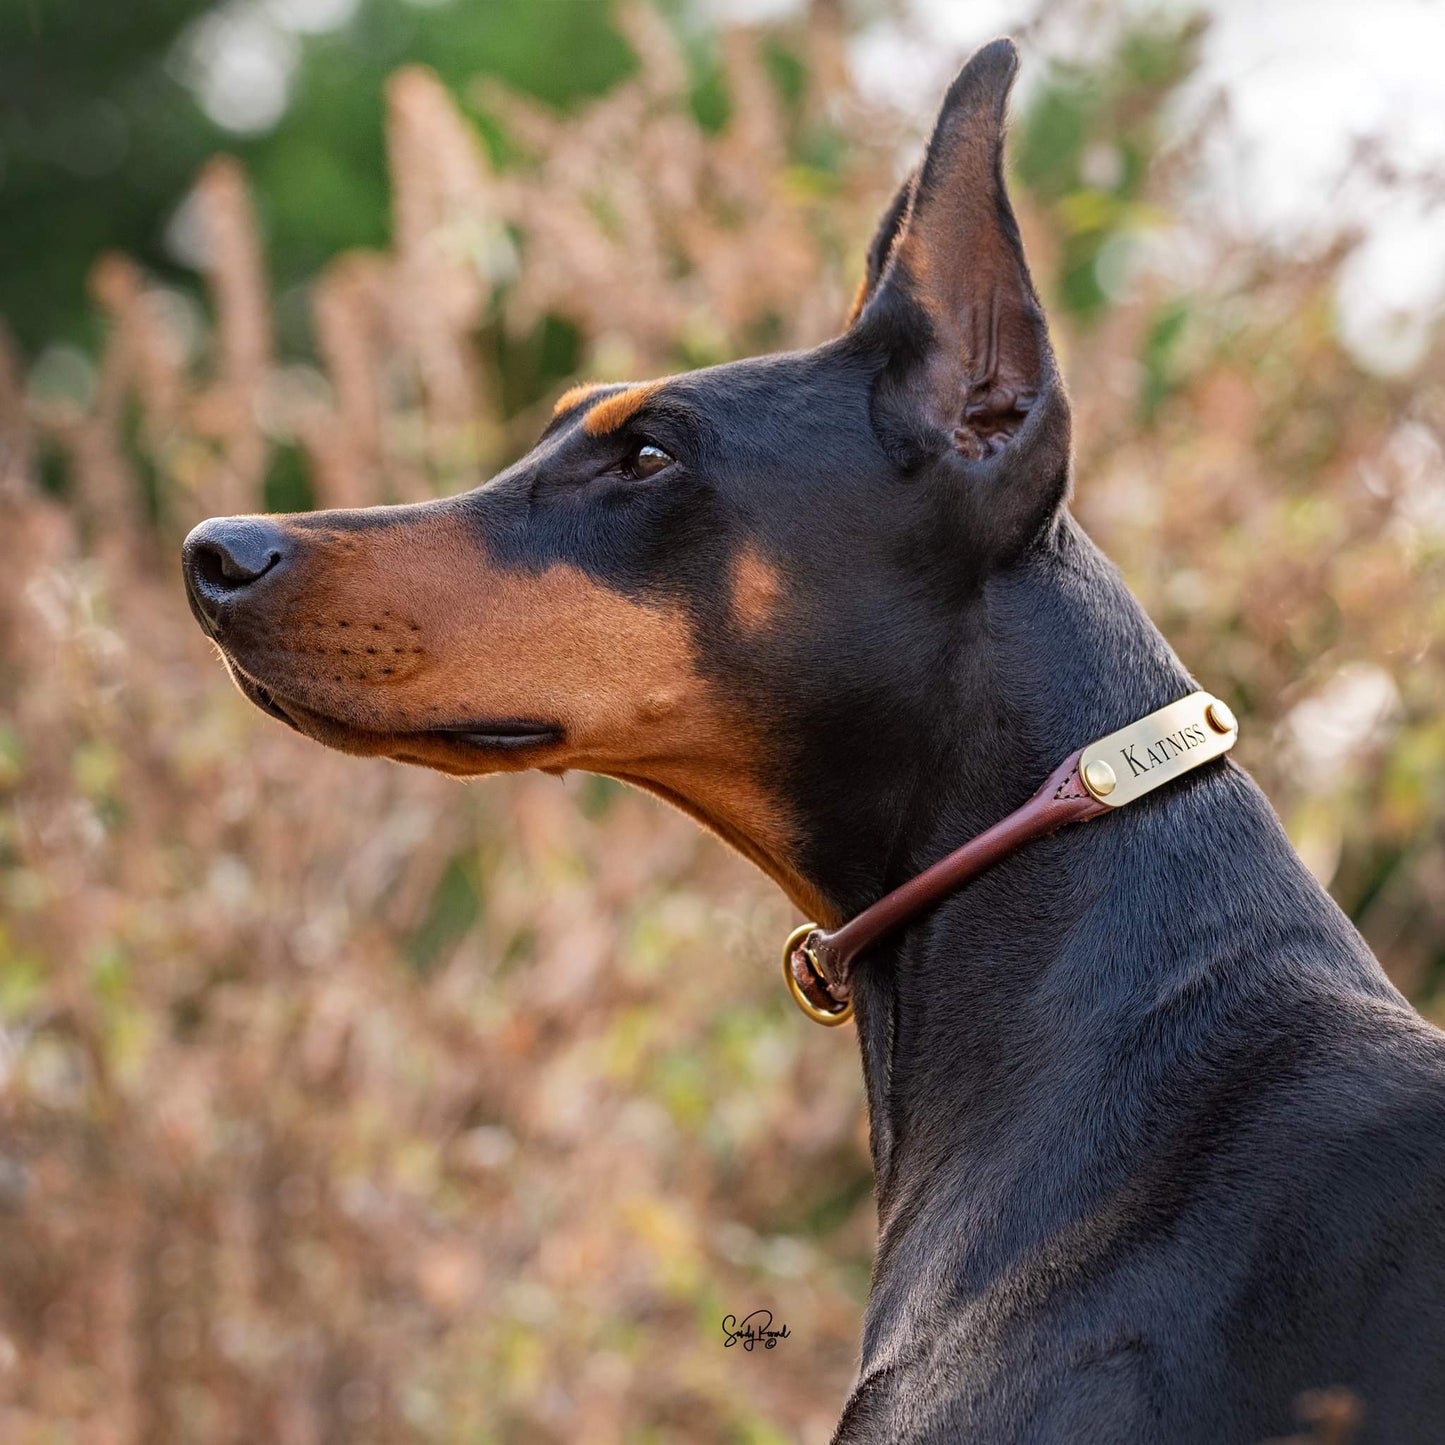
<point>345,1103</point>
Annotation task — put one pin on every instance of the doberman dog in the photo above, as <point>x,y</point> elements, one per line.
<point>1158,1146</point>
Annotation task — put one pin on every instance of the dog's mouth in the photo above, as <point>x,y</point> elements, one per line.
<point>462,748</point>
<point>498,735</point>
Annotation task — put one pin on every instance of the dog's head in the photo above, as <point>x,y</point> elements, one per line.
<point>734,587</point>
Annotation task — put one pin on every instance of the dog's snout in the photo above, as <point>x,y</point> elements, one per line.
<point>223,557</point>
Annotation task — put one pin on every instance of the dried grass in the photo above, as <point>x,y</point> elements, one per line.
<point>343,1103</point>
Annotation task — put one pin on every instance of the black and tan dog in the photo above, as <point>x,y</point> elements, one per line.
<point>1158,1146</point>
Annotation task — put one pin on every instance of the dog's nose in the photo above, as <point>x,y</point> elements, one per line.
<point>223,557</point>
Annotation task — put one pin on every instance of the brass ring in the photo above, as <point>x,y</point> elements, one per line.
<point>829,1018</point>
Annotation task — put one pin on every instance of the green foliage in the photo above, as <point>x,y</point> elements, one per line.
<point>288,484</point>
<point>1159,361</point>
<point>410,1112</point>
<point>530,365</point>
<point>100,139</point>
<point>1085,146</point>
<point>456,905</point>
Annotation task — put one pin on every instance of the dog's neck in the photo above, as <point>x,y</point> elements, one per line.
<point>996,1027</point>
<point>1050,654</point>
<point>1059,653</point>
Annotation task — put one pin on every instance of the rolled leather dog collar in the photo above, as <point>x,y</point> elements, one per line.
<point>1102,776</point>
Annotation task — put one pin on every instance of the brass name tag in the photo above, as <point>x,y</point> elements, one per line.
<point>1158,748</point>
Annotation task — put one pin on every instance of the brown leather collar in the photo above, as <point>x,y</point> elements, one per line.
<point>1096,779</point>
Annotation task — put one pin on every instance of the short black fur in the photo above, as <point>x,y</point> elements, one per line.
<point>1158,1146</point>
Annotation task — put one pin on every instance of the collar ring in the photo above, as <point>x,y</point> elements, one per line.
<point>806,983</point>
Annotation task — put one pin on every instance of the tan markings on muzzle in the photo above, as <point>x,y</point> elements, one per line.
<point>614,411</point>
<point>757,590</point>
<point>490,644</point>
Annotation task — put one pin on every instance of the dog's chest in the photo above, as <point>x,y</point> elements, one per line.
<point>999,1388</point>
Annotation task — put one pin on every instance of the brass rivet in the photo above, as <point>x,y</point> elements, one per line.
<point>1099,778</point>
<point>1220,717</point>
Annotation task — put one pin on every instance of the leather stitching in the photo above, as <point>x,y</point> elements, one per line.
<point>1060,795</point>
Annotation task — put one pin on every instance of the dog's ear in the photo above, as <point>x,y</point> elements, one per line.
<point>969,378</point>
<point>881,247</point>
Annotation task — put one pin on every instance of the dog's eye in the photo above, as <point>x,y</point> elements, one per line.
<point>644,461</point>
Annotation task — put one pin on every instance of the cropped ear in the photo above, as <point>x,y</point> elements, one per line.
<point>969,377</point>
